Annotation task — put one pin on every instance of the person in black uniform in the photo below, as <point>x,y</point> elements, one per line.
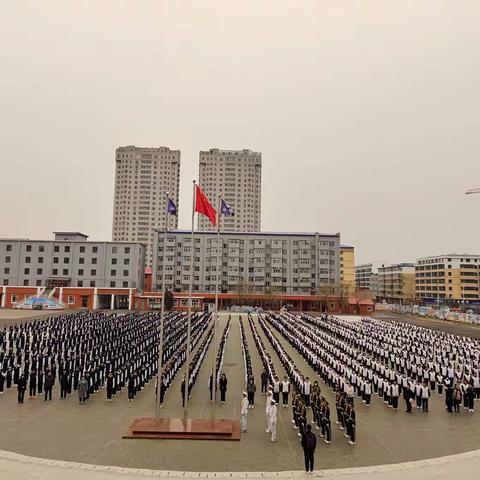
<point>21,386</point>
<point>32,385</point>
<point>222,385</point>
<point>109,387</point>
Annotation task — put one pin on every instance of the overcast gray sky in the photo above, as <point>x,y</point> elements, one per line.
<point>366,112</point>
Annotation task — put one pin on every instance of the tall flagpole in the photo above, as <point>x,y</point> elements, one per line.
<point>189,321</point>
<point>214,356</point>
<point>162,312</point>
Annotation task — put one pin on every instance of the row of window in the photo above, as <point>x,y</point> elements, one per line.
<point>66,248</point>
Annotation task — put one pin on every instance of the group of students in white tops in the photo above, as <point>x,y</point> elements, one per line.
<point>367,356</point>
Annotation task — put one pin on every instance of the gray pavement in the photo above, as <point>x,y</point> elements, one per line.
<point>462,329</point>
<point>61,430</point>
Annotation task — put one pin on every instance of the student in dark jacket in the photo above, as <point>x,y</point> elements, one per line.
<point>109,387</point>
<point>21,386</point>
<point>309,443</point>
<point>48,385</point>
<point>64,380</point>
<point>222,385</point>
<point>32,385</point>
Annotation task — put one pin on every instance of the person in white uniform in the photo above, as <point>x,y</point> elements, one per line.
<point>244,413</point>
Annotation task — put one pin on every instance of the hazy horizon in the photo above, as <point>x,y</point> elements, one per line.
<point>366,113</point>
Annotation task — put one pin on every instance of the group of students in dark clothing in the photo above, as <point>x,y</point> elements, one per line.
<point>87,351</point>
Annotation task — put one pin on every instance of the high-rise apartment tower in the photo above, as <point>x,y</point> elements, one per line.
<point>237,176</point>
<point>142,178</point>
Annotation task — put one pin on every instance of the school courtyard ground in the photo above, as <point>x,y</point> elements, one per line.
<point>59,439</point>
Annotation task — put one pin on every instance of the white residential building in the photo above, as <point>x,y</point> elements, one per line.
<point>237,176</point>
<point>143,176</point>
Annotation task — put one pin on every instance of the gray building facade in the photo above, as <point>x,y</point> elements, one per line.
<point>288,263</point>
<point>70,260</point>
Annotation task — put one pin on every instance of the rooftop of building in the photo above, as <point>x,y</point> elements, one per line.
<point>450,255</point>
<point>347,247</point>
<point>265,234</point>
<point>244,151</point>
<point>133,147</point>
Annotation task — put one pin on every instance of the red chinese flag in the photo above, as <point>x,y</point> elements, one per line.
<point>202,205</point>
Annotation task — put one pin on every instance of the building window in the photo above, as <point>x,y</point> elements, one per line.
<point>55,271</point>
<point>80,272</point>
<point>71,299</point>
<point>125,273</point>
<point>114,249</point>
<point>114,261</point>
<point>25,283</point>
<point>40,259</point>
<point>9,248</point>
<point>94,249</point>
<point>26,271</point>
<point>14,298</point>
<point>28,248</point>
<point>112,283</point>
<point>127,249</point>
<point>94,261</point>
<point>125,284</point>
<point>56,248</point>
<point>38,283</point>
<point>113,273</point>
<point>7,259</point>
<point>66,260</point>
<point>55,259</point>
<point>82,249</point>
<point>93,272</point>
<point>5,281</point>
<point>41,248</point>
<point>65,271</point>
<point>66,249</point>
<point>39,271</point>
<point>126,261</point>
<point>92,283</point>
<point>27,259</point>
<point>81,261</point>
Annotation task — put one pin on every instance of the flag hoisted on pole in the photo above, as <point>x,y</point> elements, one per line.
<point>223,209</point>
<point>171,209</point>
<point>203,206</point>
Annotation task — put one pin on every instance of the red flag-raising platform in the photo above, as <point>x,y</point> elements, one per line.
<point>177,428</point>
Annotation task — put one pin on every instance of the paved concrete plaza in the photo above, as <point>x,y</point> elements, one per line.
<point>92,434</point>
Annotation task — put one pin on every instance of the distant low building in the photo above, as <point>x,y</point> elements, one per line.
<point>450,279</point>
<point>347,267</point>
<point>396,283</point>
<point>70,260</point>
<point>364,274</point>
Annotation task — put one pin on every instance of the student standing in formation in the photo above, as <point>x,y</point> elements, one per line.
<point>325,420</point>
<point>394,393</point>
<point>264,380</point>
<point>268,407</point>
<point>244,412</point>
<point>210,386</point>
<point>273,421</point>
<point>182,391</point>
<point>222,385</point>
<point>276,389</point>
<point>350,423</point>
<point>309,443</point>
<point>32,385</point>
<point>408,396</point>
<point>109,387</point>
<point>307,387</point>
<point>21,386</point>
<point>425,393</point>
<point>251,389</point>
<point>82,390</point>
<point>49,381</point>
<point>285,391</point>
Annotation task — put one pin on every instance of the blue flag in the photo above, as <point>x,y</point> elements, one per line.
<point>226,209</point>
<point>171,207</point>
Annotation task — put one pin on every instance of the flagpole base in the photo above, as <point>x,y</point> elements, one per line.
<point>177,428</point>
